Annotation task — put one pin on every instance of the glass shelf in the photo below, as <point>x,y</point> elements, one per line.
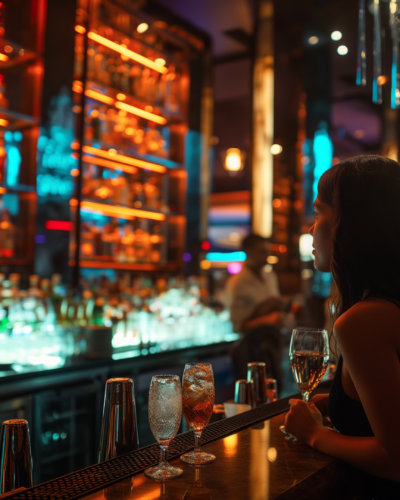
<point>11,120</point>
<point>99,264</point>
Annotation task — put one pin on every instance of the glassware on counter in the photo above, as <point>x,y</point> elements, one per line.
<point>198,401</point>
<point>165,413</point>
<point>309,356</point>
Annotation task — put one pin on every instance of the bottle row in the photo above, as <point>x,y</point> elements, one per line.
<point>136,190</point>
<point>109,126</point>
<point>139,241</point>
<point>111,69</point>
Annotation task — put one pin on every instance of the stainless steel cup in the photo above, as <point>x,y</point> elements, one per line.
<point>240,392</point>
<point>257,372</point>
<point>272,389</point>
<point>119,429</point>
<point>16,458</point>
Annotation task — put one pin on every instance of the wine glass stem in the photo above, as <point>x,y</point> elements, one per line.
<point>164,462</point>
<point>306,396</point>
<point>197,437</point>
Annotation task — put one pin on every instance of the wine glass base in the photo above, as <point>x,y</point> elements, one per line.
<point>163,473</point>
<point>288,437</point>
<point>198,458</point>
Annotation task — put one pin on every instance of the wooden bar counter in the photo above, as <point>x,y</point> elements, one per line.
<point>254,462</point>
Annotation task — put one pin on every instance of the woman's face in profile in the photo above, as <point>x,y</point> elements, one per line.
<point>321,231</point>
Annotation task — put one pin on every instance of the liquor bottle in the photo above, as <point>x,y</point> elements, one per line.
<point>7,235</point>
<point>151,193</point>
<point>156,240</point>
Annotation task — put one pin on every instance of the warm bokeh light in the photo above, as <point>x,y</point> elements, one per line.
<point>98,96</point>
<point>233,160</point>
<point>3,58</point>
<point>282,248</point>
<point>3,123</point>
<point>382,80</point>
<point>276,203</point>
<point>8,49</point>
<point>74,172</point>
<point>142,28</point>
<point>127,160</point>
<point>276,149</point>
<point>231,445</point>
<point>73,202</point>
<point>126,52</point>
<point>336,35</point>
<point>160,61</point>
<point>272,259</point>
<point>3,190</point>
<point>120,212</point>
<point>272,454</point>
<point>313,40</point>
<point>80,29</point>
<point>141,112</point>
<point>342,50</point>
<point>121,97</point>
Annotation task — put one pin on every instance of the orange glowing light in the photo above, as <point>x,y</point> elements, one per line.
<point>141,112</point>
<point>3,58</point>
<point>103,192</point>
<point>99,97</point>
<point>125,159</point>
<point>74,172</point>
<point>3,123</point>
<point>116,265</point>
<point>381,79</point>
<point>121,212</point>
<point>73,202</point>
<point>109,164</point>
<point>282,248</point>
<point>3,190</point>
<point>8,49</point>
<point>121,97</point>
<point>276,203</point>
<point>75,145</point>
<point>80,29</point>
<point>126,52</point>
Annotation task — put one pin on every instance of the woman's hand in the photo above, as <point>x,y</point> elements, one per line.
<point>321,402</point>
<point>303,420</point>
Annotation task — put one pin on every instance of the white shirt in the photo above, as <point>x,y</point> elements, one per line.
<point>245,291</point>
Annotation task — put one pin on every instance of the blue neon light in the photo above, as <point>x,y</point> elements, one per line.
<point>323,154</point>
<point>226,256</point>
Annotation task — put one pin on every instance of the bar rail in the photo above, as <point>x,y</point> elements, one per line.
<point>102,475</point>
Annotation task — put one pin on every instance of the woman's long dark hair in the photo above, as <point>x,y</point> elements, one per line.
<point>364,192</point>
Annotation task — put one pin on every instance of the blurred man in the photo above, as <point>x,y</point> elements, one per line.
<point>256,310</point>
<point>253,294</point>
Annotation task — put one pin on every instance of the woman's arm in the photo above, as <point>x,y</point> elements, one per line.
<point>368,337</point>
<point>321,402</point>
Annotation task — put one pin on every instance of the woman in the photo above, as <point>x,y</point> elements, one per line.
<point>356,237</point>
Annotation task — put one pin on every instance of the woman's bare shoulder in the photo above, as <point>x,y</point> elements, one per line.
<point>374,315</point>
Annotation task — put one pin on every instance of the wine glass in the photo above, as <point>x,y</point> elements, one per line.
<point>165,413</point>
<point>198,402</point>
<point>309,356</point>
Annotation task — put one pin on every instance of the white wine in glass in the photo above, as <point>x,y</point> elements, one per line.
<point>165,413</point>
<point>309,356</point>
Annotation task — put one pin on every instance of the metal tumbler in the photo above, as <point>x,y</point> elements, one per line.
<point>118,429</point>
<point>16,457</point>
<point>244,392</point>
<point>257,372</point>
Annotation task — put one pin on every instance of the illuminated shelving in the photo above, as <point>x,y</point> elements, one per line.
<point>121,212</point>
<point>18,188</point>
<point>12,54</point>
<point>98,264</point>
<point>11,120</point>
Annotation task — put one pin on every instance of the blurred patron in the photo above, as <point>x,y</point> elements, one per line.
<point>253,294</point>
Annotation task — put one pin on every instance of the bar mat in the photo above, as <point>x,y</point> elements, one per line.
<point>93,478</point>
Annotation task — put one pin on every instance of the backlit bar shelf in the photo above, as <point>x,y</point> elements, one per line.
<point>14,261</point>
<point>109,95</point>
<point>11,120</point>
<point>171,165</point>
<point>121,212</point>
<point>127,266</point>
<point>17,55</point>
<point>116,160</point>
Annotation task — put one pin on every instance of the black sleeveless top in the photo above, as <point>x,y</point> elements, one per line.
<point>347,414</point>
